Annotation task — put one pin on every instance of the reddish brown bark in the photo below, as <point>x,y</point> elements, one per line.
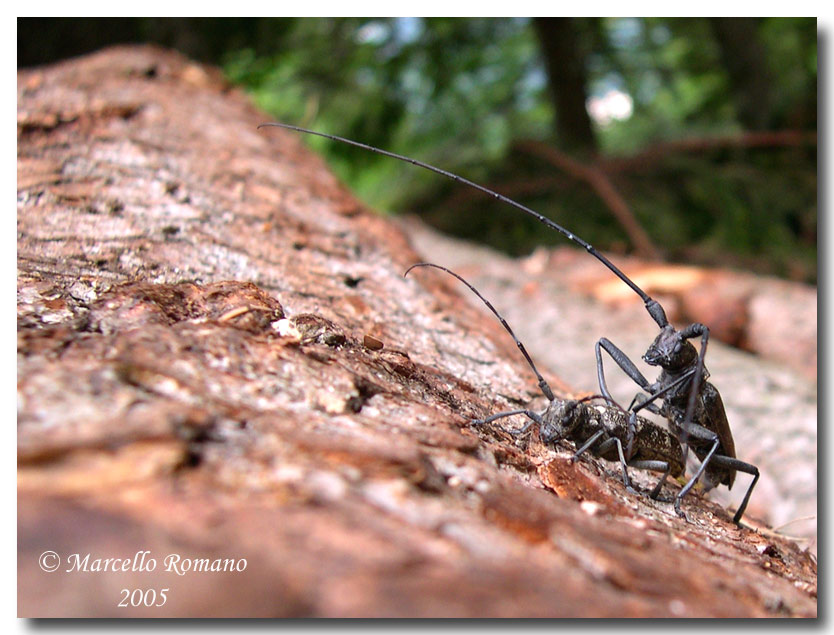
<point>200,308</point>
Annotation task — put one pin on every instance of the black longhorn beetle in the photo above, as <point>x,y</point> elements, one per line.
<point>692,405</point>
<point>602,430</point>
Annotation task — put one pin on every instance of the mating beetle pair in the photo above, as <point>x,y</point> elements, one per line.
<point>681,394</point>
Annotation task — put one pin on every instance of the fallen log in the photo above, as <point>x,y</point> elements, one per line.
<point>223,373</point>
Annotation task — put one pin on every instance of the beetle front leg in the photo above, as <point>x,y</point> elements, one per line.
<point>629,369</point>
<point>534,417</point>
<point>694,330</point>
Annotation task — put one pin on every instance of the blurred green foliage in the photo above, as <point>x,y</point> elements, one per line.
<point>464,93</point>
<point>459,93</point>
<point>452,91</point>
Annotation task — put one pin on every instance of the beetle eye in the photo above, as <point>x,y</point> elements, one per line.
<point>678,347</point>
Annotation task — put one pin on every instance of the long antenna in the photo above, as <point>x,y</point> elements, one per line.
<point>654,309</point>
<point>543,385</point>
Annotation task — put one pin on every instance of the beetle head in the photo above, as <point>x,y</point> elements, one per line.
<point>670,350</point>
<point>560,420</point>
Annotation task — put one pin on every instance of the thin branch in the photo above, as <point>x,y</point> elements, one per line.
<point>697,145</point>
<point>603,187</point>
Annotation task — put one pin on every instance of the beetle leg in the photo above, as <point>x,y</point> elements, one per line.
<point>655,466</point>
<point>588,444</point>
<point>739,466</point>
<point>694,330</point>
<point>702,433</point>
<point>534,417</point>
<point>629,369</point>
<point>605,446</point>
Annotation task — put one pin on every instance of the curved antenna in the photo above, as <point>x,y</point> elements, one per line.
<point>543,385</point>
<point>654,309</point>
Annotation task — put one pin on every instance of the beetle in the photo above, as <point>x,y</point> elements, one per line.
<point>600,429</point>
<point>692,406</point>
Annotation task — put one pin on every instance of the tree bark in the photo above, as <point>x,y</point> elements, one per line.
<point>200,378</point>
<point>565,63</point>
<point>746,63</point>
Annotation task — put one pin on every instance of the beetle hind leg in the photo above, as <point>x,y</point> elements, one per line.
<point>739,466</point>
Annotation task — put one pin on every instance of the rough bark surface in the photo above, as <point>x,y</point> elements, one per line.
<point>200,312</point>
